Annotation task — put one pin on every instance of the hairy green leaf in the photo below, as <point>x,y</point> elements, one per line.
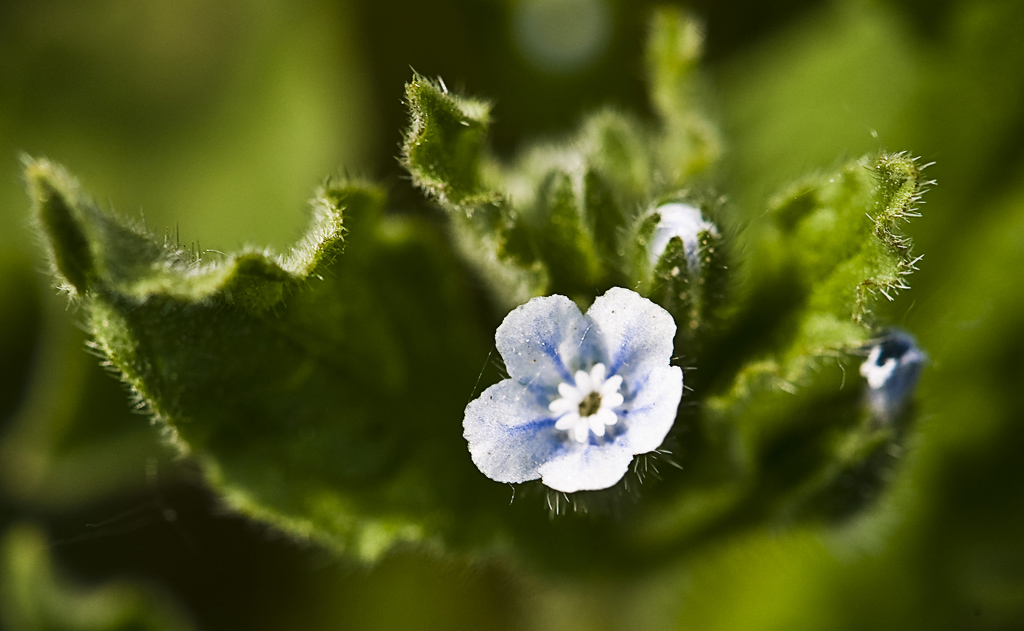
<point>444,150</point>
<point>322,392</point>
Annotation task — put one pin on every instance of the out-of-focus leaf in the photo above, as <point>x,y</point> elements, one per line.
<point>67,438</point>
<point>839,80</point>
<point>73,439</point>
<point>36,597</point>
<point>192,113</point>
<point>690,143</point>
<point>19,329</point>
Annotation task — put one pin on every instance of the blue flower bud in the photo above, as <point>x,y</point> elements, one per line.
<point>683,221</point>
<point>892,369</point>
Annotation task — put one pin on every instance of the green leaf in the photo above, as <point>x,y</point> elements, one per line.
<point>322,392</point>
<point>836,244</point>
<point>445,144</point>
<point>573,258</point>
<point>674,288</point>
<point>715,277</point>
<point>36,597</point>
<point>841,236</point>
<point>444,150</point>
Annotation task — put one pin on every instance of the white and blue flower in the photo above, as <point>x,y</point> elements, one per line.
<point>683,221</point>
<point>586,393</point>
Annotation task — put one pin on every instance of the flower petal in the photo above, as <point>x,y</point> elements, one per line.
<point>567,422</point>
<point>583,382</point>
<point>607,417</point>
<point>561,406</point>
<point>581,431</point>
<point>637,333</point>
<point>597,374</point>
<point>544,341</point>
<point>611,385</point>
<point>652,411</point>
<point>586,467</point>
<point>612,400</point>
<point>510,434</point>
<point>570,392</point>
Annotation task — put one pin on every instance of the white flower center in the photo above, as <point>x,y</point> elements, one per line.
<point>588,404</point>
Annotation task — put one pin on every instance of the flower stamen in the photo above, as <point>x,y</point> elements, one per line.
<point>590,404</point>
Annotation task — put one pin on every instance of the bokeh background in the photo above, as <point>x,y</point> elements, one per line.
<point>214,122</point>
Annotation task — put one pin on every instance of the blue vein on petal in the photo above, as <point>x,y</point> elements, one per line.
<point>624,357</point>
<point>544,393</point>
<point>631,411</point>
<point>534,425</point>
<point>620,355</point>
<point>552,351</point>
<point>633,390</point>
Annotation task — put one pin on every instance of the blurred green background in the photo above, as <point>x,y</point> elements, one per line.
<point>216,121</point>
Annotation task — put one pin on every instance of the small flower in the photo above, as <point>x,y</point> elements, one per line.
<point>892,370</point>
<point>589,404</point>
<point>586,393</point>
<point>683,221</point>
